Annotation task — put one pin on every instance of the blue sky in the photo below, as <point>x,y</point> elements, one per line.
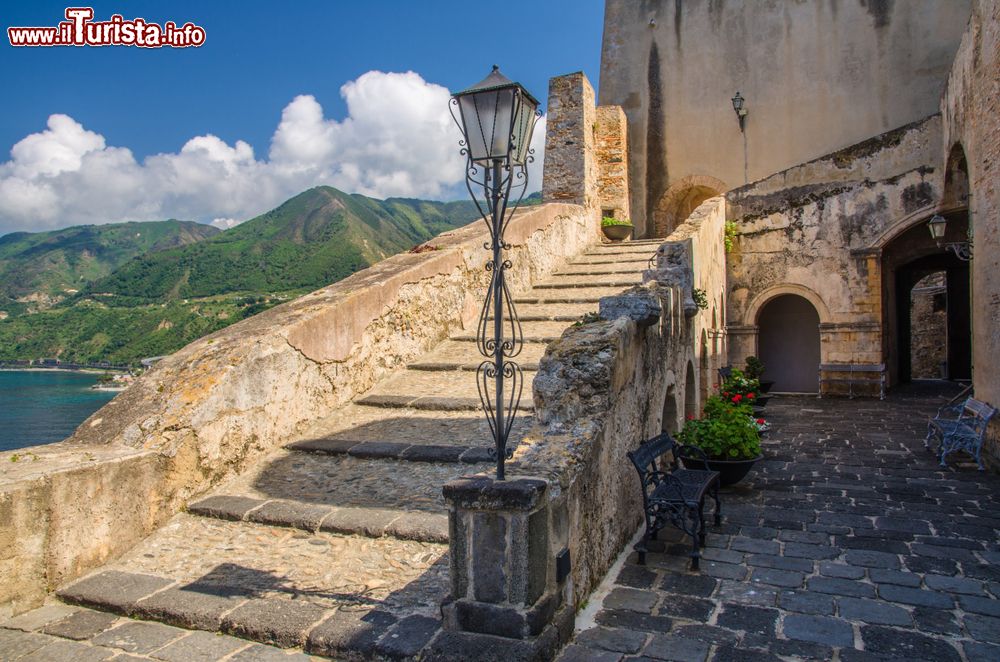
<point>263,63</point>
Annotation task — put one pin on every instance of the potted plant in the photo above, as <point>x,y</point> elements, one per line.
<point>755,370</point>
<point>616,229</point>
<point>729,436</point>
<point>739,383</point>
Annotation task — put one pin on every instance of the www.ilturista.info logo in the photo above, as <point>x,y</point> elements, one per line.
<point>79,29</point>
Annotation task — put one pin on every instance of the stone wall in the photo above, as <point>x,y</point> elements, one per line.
<point>570,161</point>
<point>571,493</point>
<point>611,152</point>
<point>818,231</point>
<point>929,321</point>
<point>217,406</point>
<point>971,110</point>
<point>816,75</point>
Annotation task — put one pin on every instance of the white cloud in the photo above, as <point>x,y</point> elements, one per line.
<point>398,139</point>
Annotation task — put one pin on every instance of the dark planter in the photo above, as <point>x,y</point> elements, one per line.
<point>761,400</point>
<point>730,471</point>
<point>765,387</point>
<point>617,232</point>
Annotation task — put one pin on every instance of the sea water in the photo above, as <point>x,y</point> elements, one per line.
<point>40,407</point>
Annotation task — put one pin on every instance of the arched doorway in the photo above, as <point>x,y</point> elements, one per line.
<point>926,293</point>
<point>682,198</point>
<point>920,334</point>
<point>788,343</point>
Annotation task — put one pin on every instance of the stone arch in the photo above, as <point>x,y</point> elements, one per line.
<point>703,368</point>
<point>680,200</point>
<point>759,301</point>
<point>690,393</point>
<point>668,423</point>
<point>956,178</point>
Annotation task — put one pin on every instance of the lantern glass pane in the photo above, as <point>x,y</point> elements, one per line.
<point>487,118</point>
<point>937,227</point>
<point>523,125</point>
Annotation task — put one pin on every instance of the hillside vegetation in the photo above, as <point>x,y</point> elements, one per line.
<point>158,302</point>
<point>38,269</point>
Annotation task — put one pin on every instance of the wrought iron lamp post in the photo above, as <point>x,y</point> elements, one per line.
<point>739,106</point>
<point>496,117</point>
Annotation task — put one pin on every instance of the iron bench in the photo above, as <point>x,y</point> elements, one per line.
<point>960,427</point>
<point>677,496</point>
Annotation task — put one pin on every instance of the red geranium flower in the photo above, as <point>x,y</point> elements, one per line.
<point>761,421</point>
<point>749,396</point>
<point>737,398</point>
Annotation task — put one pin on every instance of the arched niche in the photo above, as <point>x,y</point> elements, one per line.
<point>788,343</point>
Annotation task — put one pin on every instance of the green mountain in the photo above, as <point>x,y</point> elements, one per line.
<point>158,302</point>
<point>38,269</point>
<point>312,240</point>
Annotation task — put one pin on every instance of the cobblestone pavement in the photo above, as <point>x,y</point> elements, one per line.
<point>847,543</point>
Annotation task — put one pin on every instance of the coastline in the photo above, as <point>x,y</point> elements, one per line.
<point>89,371</point>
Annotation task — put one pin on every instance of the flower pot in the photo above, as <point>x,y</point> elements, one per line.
<point>761,400</point>
<point>617,232</point>
<point>730,471</point>
<point>765,387</point>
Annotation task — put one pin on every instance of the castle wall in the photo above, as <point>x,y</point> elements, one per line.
<point>971,110</point>
<point>817,76</point>
<point>818,230</point>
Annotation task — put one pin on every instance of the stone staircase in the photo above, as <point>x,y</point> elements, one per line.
<point>337,543</point>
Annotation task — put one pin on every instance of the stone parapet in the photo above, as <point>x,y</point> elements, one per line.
<point>217,406</point>
<point>527,551</point>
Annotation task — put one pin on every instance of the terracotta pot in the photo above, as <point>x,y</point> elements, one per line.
<point>730,471</point>
<point>617,232</point>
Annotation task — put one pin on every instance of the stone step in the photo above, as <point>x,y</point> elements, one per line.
<point>451,390</point>
<point>636,260</point>
<point>535,331</point>
<point>331,594</point>
<point>351,493</point>
<point>558,312</point>
<point>574,295</point>
<point>406,434</point>
<point>612,269</point>
<point>458,355</point>
<point>569,281</point>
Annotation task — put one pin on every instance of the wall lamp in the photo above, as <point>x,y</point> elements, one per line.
<point>937,226</point>
<point>739,105</point>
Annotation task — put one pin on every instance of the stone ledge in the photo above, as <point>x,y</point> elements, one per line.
<point>485,493</point>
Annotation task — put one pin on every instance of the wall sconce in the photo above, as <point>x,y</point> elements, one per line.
<point>937,226</point>
<point>740,108</point>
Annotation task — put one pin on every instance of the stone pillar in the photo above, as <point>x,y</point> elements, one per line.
<point>611,151</point>
<point>571,172</point>
<point>506,599</point>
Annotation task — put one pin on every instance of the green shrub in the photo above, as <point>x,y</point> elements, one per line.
<point>608,221</point>
<point>726,431</point>
<point>755,368</point>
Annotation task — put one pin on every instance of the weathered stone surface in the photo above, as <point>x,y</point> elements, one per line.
<point>290,513</point>
<point>199,647</point>
<point>67,651</point>
<point>349,633</point>
<point>137,637</point>
<point>408,637</point>
<point>819,629</point>
<point>38,618</point>
<point>82,624</point>
<point>15,645</point>
<point>639,305</point>
<point>279,622</point>
<point>188,606</point>
<point>224,507</point>
<point>113,589</point>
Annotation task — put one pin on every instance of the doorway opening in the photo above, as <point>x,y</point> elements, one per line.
<point>788,343</point>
